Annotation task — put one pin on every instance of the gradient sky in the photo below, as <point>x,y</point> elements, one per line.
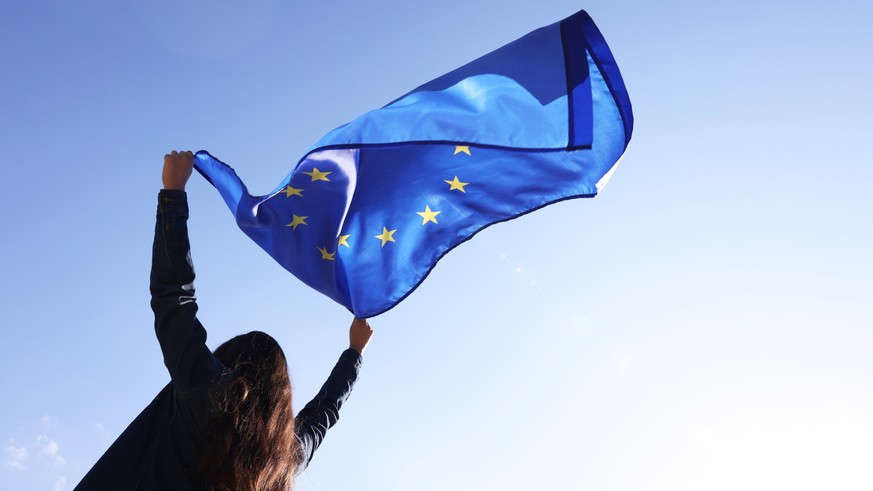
<point>703,324</point>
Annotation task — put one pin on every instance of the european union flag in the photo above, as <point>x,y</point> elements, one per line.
<point>366,214</point>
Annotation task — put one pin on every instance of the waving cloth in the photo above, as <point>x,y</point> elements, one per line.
<point>365,215</point>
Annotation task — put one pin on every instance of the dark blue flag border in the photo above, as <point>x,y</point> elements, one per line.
<point>578,32</point>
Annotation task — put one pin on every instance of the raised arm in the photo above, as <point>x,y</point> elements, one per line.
<point>180,334</point>
<point>322,412</point>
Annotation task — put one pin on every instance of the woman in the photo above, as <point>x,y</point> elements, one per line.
<point>224,422</point>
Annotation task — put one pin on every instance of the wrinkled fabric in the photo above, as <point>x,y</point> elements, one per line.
<point>366,214</point>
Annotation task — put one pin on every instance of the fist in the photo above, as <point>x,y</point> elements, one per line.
<point>359,335</point>
<point>177,169</point>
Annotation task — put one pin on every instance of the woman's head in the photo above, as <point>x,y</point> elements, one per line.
<point>252,445</point>
<point>255,350</point>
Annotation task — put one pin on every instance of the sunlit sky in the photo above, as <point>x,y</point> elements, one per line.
<point>703,324</point>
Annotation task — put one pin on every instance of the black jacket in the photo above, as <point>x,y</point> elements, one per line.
<point>161,448</point>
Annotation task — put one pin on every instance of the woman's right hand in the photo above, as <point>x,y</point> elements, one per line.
<point>359,335</point>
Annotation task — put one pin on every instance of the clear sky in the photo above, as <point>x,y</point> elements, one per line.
<point>703,324</point>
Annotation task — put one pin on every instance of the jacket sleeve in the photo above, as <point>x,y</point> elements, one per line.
<point>180,334</point>
<point>322,412</point>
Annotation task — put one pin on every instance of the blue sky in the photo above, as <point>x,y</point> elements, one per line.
<point>702,324</point>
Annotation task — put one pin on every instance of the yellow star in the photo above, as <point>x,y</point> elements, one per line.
<point>297,220</point>
<point>292,191</point>
<point>344,240</point>
<point>462,148</point>
<point>317,175</point>
<point>327,256</point>
<point>456,184</point>
<point>427,215</point>
<point>386,236</point>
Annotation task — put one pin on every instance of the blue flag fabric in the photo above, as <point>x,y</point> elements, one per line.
<point>369,210</point>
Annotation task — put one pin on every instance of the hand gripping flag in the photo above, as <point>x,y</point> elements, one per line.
<point>366,214</point>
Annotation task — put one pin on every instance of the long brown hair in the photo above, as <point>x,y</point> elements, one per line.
<point>252,445</point>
